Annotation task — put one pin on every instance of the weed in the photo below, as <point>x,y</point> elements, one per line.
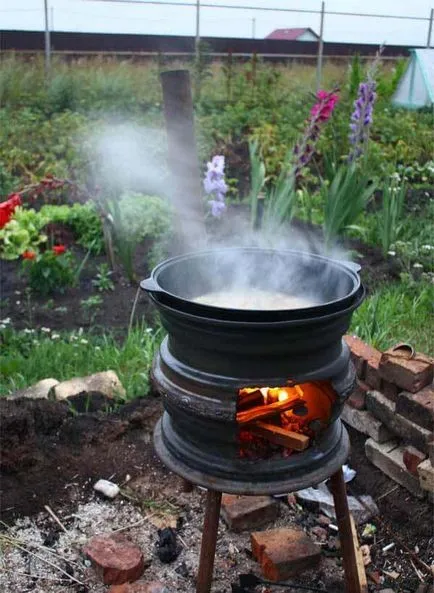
<point>102,281</point>
<point>90,307</point>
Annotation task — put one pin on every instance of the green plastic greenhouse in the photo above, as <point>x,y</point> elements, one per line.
<point>416,87</point>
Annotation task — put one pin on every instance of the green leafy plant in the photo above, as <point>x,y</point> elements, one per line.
<point>345,196</point>
<point>389,218</point>
<point>84,221</point>
<point>102,281</point>
<point>130,220</point>
<point>22,233</point>
<point>90,306</point>
<point>275,205</point>
<point>49,272</point>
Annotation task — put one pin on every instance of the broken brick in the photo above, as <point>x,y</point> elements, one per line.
<point>418,407</point>
<point>117,561</point>
<point>283,553</point>
<point>411,458</point>
<point>364,422</point>
<point>411,374</point>
<point>388,458</point>
<point>426,475</point>
<point>248,512</point>
<point>385,410</point>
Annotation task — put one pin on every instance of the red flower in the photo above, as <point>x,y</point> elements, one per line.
<point>59,249</point>
<point>29,255</point>
<point>7,208</point>
<point>325,106</point>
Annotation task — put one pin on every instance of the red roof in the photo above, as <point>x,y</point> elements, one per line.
<point>289,34</point>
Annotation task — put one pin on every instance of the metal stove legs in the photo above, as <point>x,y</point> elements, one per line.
<point>355,577</point>
<point>209,541</point>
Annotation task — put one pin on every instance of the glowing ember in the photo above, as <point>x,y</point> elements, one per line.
<point>280,420</point>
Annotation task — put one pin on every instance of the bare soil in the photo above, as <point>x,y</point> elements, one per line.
<point>52,457</point>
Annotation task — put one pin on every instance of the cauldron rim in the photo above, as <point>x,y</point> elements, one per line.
<point>163,297</point>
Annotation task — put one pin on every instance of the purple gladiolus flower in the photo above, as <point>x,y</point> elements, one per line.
<point>362,116</point>
<point>215,185</point>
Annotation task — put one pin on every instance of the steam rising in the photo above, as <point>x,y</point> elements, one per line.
<point>132,157</point>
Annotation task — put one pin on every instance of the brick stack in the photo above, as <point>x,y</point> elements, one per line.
<point>393,405</point>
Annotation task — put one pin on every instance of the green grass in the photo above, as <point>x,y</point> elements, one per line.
<point>31,355</point>
<point>398,313</point>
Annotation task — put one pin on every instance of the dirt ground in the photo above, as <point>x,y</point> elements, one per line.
<point>51,457</point>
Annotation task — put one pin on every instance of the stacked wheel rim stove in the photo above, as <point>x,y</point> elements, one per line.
<point>210,353</point>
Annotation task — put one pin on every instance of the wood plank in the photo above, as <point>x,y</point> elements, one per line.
<point>361,573</point>
<point>268,410</point>
<point>280,436</point>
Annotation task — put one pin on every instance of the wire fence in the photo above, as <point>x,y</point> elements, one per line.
<point>197,9</point>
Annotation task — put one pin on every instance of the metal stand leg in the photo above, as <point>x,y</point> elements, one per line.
<point>209,541</point>
<point>355,576</point>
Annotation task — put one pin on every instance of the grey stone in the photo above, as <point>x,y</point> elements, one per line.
<point>385,410</point>
<point>388,458</point>
<point>39,390</point>
<point>107,488</point>
<point>107,383</point>
<point>364,422</point>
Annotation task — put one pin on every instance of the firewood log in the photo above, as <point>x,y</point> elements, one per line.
<point>280,436</point>
<point>268,410</point>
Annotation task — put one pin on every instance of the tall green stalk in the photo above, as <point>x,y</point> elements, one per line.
<point>345,197</point>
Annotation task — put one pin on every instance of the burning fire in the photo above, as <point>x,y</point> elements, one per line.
<point>282,418</point>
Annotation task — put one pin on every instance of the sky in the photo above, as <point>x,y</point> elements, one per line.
<point>143,18</point>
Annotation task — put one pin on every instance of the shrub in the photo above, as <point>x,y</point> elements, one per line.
<point>51,271</point>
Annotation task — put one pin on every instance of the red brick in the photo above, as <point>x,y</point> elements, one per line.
<point>418,407</point>
<point>117,561</point>
<point>410,374</point>
<point>366,423</point>
<point>385,410</point>
<point>283,553</point>
<point>355,346</point>
<point>357,399</point>
<point>388,458</point>
<point>390,390</point>
<point>248,512</point>
<point>372,374</point>
<point>361,353</point>
<point>411,458</point>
